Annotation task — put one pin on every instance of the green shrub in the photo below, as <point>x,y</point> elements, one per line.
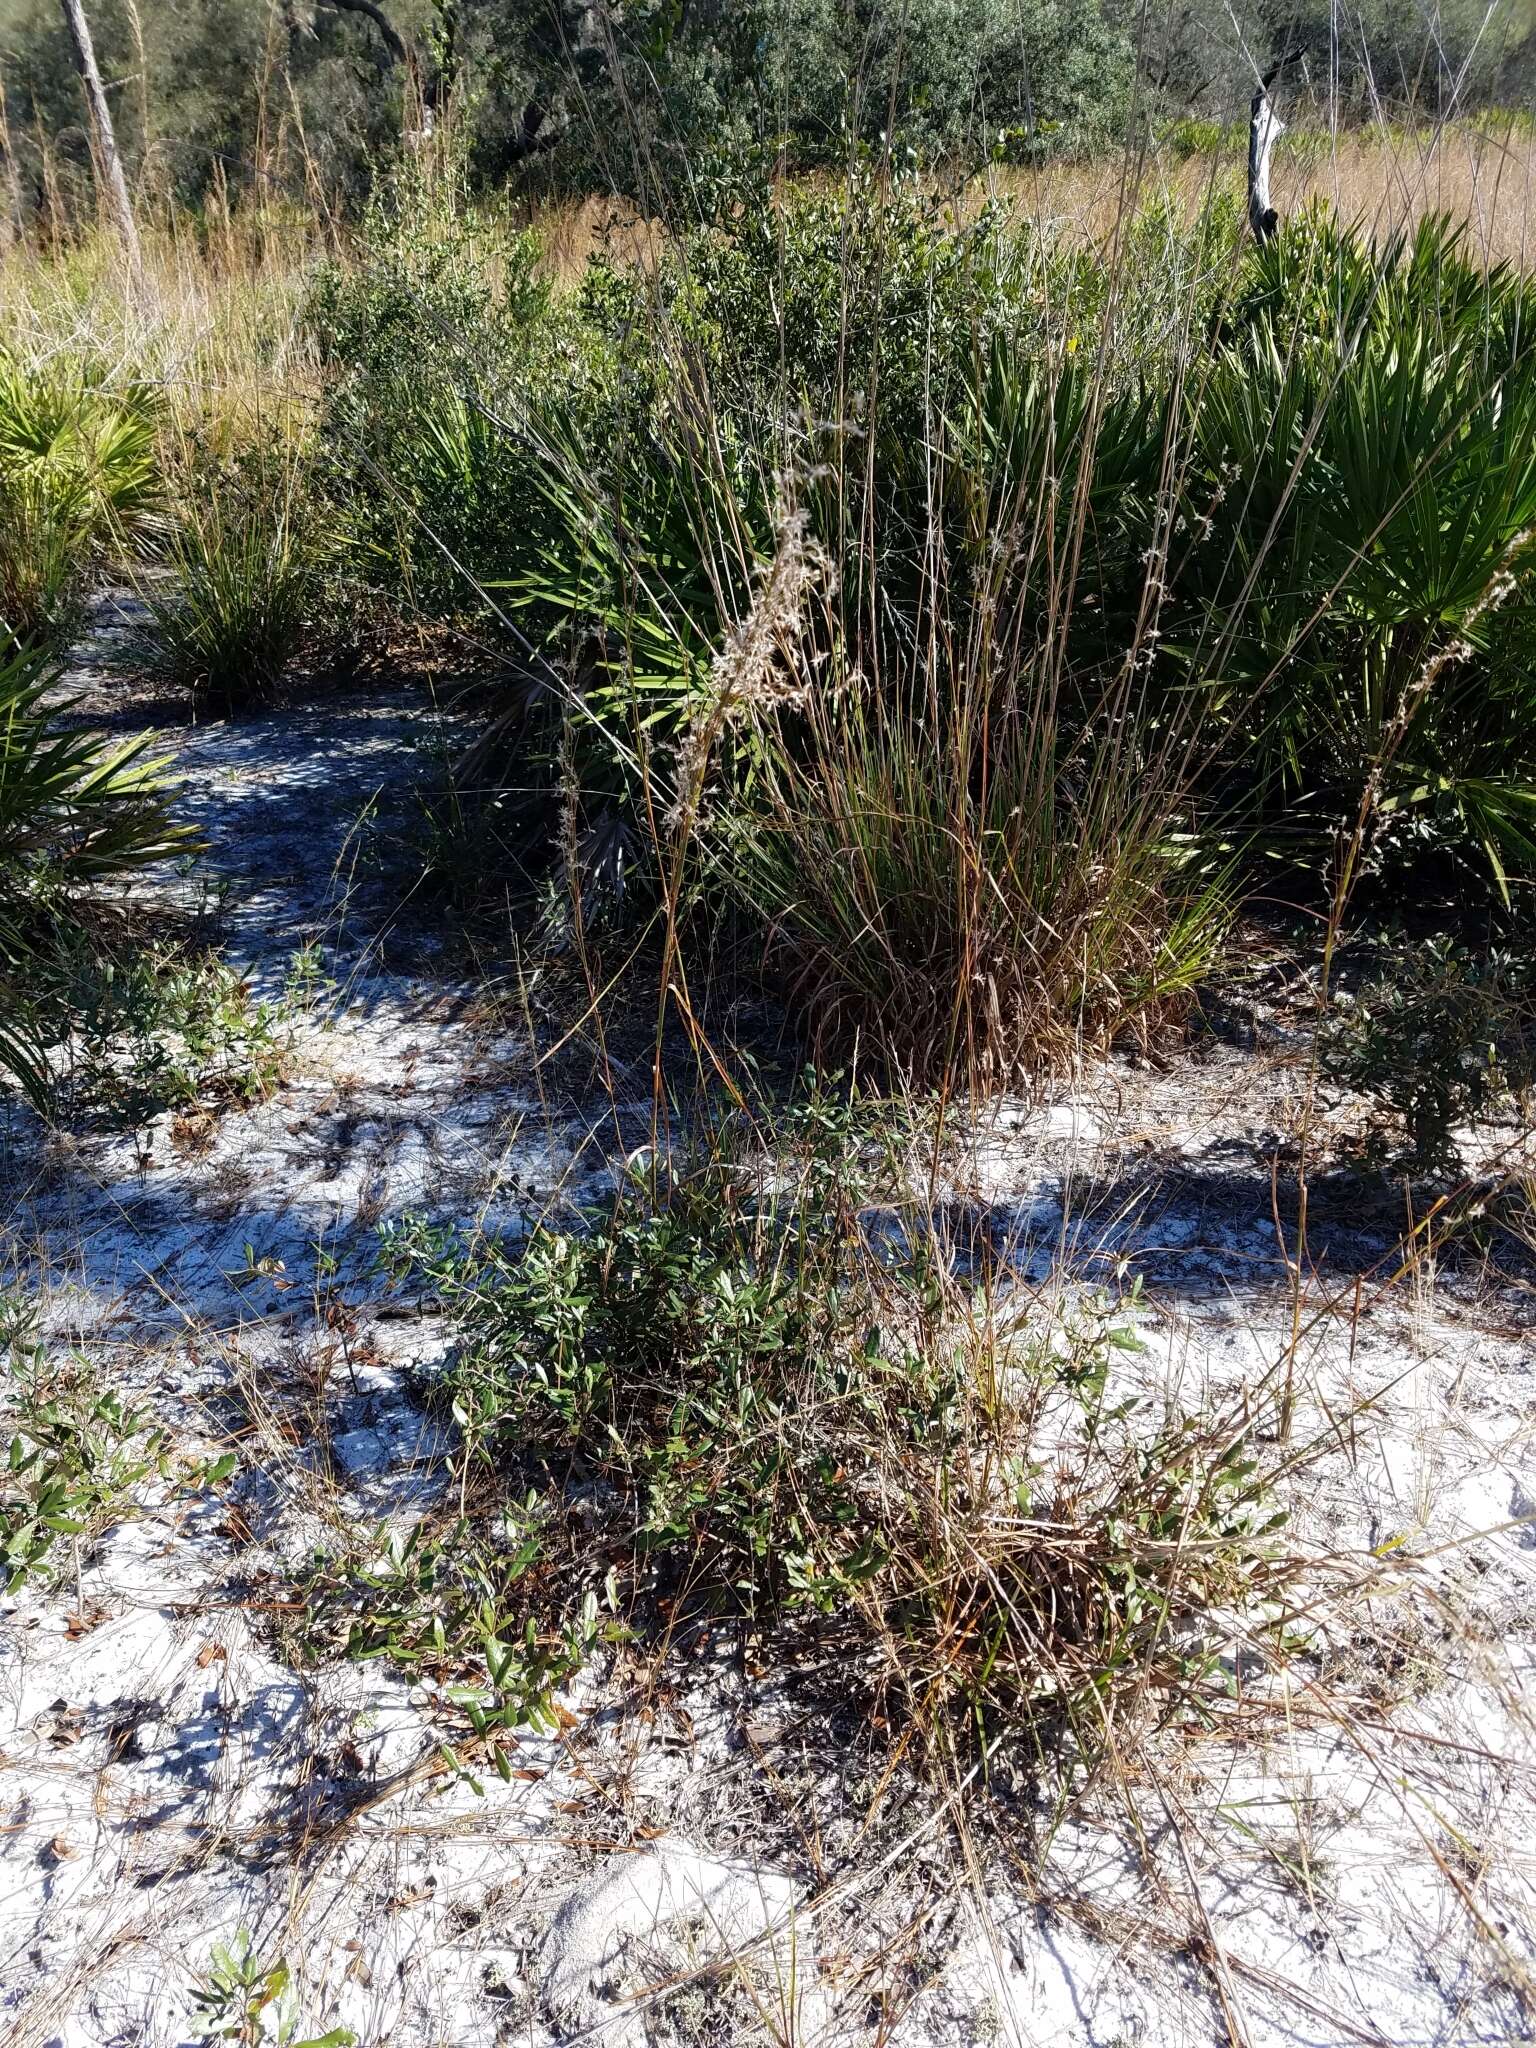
<point>1114,563</point>
<point>836,711</point>
<point>431,339</point>
<point>1359,507</point>
<point>76,1454</point>
<point>859,301</point>
<point>870,305</point>
<point>881,772</point>
<point>251,2000</point>
<point>67,417</point>
<point>1440,1039</point>
<point>774,1403</point>
<point>78,477</point>
<point>154,1030</point>
<point>444,1603</point>
<point>75,814</point>
<point>1193,137</point>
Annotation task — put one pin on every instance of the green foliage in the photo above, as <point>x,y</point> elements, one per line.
<point>1089,555</point>
<point>781,612</point>
<point>523,1673</point>
<point>77,1455</point>
<point>435,284</point>
<point>77,476</point>
<point>1440,1039</point>
<point>237,596</point>
<point>253,2002</point>
<point>672,1344</point>
<point>444,1603</point>
<point>66,417</point>
<point>417,1596</point>
<point>431,337</point>
<point>853,300</point>
<point>1099,564</point>
<point>75,813</point>
<point>773,1399</point>
<point>644,98</point>
<point>1361,506</point>
<point>220,100</point>
<point>39,561</point>
<point>1194,137</point>
<point>69,1470</point>
<point>157,1030</point>
<point>824,81</point>
<point>212,98</point>
<point>1395,56</point>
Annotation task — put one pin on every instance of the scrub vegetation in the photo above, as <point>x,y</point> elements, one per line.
<point>916,600</point>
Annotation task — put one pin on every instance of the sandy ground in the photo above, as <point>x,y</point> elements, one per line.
<point>167,1779</point>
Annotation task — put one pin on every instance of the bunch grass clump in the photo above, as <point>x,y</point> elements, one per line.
<point>955,871</point>
<point>235,594</point>
<point>1119,581</point>
<point>938,922</point>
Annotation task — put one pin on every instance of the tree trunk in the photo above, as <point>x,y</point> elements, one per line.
<point>1265,127</point>
<point>393,42</point>
<point>109,165</point>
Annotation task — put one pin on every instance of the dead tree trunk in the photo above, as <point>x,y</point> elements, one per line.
<point>1265,127</point>
<point>109,165</point>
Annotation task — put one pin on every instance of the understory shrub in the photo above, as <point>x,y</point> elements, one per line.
<point>1268,593</point>
<point>433,337</point>
<point>76,814</point>
<point>78,479</point>
<point>1121,575</point>
<point>860,301</point>
<point>797,646</point>
<point>754,1386</point>
<point>77,1456</point>
<point>1359,511</point>
<point>1441,1039</point>
<point>158,1028</point>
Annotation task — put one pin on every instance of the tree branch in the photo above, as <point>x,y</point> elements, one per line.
<point>1264,128</point>
<point>392,42</point>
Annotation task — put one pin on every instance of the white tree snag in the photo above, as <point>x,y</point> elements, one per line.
<point>1264,129</point>
<point>109,165</point>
